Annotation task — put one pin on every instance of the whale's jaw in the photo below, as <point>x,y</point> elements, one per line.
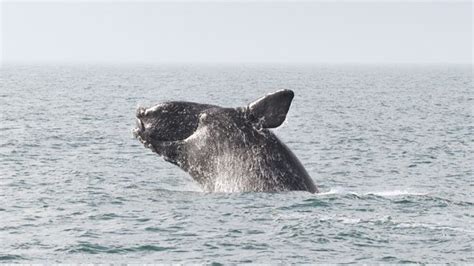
<point>139,133</point>
<point>140,127</point>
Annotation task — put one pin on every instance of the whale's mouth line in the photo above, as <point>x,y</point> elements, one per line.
<point>140,125</point>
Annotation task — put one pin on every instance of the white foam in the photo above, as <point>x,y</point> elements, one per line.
<point>335,190</point>
<point>347,220</point>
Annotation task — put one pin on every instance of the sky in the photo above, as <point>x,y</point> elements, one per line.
<point>236,32</point>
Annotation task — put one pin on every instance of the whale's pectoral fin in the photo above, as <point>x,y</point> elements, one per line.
<point>270,111</point>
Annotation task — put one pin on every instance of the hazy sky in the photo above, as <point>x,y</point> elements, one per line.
<point>309,32</point>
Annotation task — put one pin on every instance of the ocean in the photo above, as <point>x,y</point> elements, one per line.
<point>390,148</point>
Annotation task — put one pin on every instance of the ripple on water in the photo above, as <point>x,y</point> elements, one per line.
<point>10,257</point>
<point>91,248</point>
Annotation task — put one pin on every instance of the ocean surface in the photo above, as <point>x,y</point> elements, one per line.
<point>389,146</point>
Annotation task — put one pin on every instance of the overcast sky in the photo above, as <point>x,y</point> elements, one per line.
<point>252,32</point>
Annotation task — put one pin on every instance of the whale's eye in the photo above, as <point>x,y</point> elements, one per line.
<point>251,117</point>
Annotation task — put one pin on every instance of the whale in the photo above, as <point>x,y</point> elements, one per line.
<point>226,149</point>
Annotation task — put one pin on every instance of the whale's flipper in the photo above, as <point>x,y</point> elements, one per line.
<point>270,110</point>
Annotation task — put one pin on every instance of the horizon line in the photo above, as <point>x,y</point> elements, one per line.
<point>180,63</point>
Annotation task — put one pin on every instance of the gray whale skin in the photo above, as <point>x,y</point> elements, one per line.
<point>226,149</point>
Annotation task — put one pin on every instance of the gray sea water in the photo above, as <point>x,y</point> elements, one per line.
<point>389,146</point>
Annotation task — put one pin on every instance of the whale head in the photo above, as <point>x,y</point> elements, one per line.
<point>168,121</point>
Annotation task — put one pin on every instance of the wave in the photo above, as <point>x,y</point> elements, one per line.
<point>90,248</point>
<point>10,257</point>
<point>397,195</point>
<point>385,193</point>
<point>433,227</point>
<point>391,222</point>
<point>394,193</point>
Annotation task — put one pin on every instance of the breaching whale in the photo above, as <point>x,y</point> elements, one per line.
<point>226,149</point>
